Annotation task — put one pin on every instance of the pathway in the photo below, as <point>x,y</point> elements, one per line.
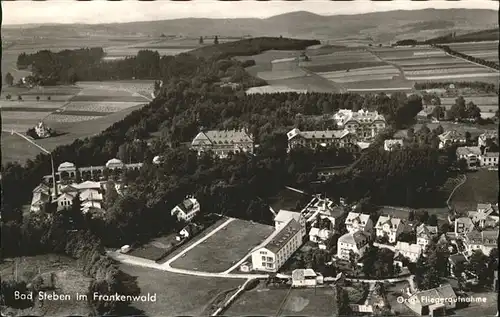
<point>464,179</point>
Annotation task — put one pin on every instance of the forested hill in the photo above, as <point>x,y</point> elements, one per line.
<point>252,46</point>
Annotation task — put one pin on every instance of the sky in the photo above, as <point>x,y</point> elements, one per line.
<point>101,11</point>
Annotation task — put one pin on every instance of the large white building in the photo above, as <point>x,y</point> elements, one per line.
<point>356,242</point>
<point>271,256</point>
<point>489,159</point>
<point>390,227</point>
<point>358,222</point>
<point>221,143</point>
<point>470,154</point>
<point>365,125</point>
<point>186,210</point>
<point>411,251</point>
<point>314,139</point>
<point>284,216</point>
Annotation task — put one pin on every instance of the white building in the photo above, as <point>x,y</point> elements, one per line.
<point>489,159</point>
<point>115,164</point>
<point>485,216</point>
<point>389,227</point>
<point>411,251</point>
<point>186,210</point>
<point>278,249</point>
<point>306,278</point>
<point>356,242</point>
<point>42,130</point>
<point>390,145</point>
<point>358,222</point>
<point>425,234</point>
<point>470,154</point>
<point>284,216</point>
<point>319,235</point>
<point>482,140</point>
<point>463,225</point>
<point>451,137</point>
<point>314,139</point>
<point>223,142</point>
<point>484,241</point>
<point>91,194</point>
<point>39,200</point>
<point>363,124</point>
<point>88,185</point>
<point>65,201</point>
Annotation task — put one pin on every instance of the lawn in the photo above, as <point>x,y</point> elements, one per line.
<point>155,248</point>
<point>480,187</point>
<point>300,302</point>
<point>177,294</point>
<point>224,248</point>
<point>69,280</point>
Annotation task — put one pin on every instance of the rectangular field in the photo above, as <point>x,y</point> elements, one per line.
<point>480,187</point>
<point>226,247</point>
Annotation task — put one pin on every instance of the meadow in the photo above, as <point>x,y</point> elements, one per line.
<point>480,187</point>
<point>485,50</point>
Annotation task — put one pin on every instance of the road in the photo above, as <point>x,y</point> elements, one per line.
<point>127,259</point>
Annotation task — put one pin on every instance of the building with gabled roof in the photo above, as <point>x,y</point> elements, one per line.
<point>283,216</point>
<point>433,302</point>
<point>65,201</point>
<point>485,241</point>
<point>355,242</point>
<point>305,278</point>
<point>91,195</point>
<point>463,225</point>
<point>390,227</point>
<point>358,222</point>
<point>364,124</point>
<point>451,137</point>
<point>42,188</point>
<point>410,251</point>
<point>223,142</point>
<point>482,140</point>
<point>314,139</point>
<point>454,260</point>
<point>278,248</point>
<point>39,201</point>
<point>486,215</point>
<point>425,234</point>
<point>470,154</point>
<point>187,209</point>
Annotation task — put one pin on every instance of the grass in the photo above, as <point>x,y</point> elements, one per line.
<point>69,280</point>
<point>154,249</point>
<point>300,302</point>
<point>224,248</point>
<point>177,294</point>
<point>287,199</point>
<point>480,187</point>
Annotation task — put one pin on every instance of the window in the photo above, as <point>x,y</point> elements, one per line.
<point>269,259</point>
<point>263,258</point>
<point>262,252</point>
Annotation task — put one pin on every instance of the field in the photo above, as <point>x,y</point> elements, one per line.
<point>177,294</point>
<point>226,247</point>
<point>69,280</point>
<point>300,302</point>
<point>485,50</point>
<point>76,111</point>
<point>289,200</point>
<point>480,187</point>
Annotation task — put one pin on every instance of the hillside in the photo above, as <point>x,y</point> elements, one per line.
<point>379,26</point>
<point>483,35</point>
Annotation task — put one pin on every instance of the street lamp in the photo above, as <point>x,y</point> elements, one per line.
<point>54,191</point>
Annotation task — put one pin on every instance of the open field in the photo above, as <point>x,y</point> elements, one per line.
<point>289,200</point>
<point>177,294</point>
<point>344,60</point>
<point>154,249</point>
<point>480,187</point>
<point>485,50</point>
<point>69,280</point>
<point>226,247</point>
<point>386,72</point>
<point>300,302</point>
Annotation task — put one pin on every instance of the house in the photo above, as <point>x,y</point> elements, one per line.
<point>363,124</point>
<point>484,241</point>
<point>39,200</point>
<point>314,139</point>
<point>454,260</point>
<point>186,210</point>
<point>482,140</point>
<point>284,216</point>
<point>91,195</point>
<point>433,302</point>
<point>452,241</point>
<point>486,216</point>
<point>389,227</point>
<point>319,235</point>
<point>88,204</point>
<point>489,159</point>
<point>470,154</point>
<point>284,242</point>
<point>356,242</point>
<point>425,234</point>
<point>358,222</point>
<point>42,188</point>
<point>410,251</point>
<point>69,190</point>
<point>306,278</point>
<point>88,185</point>
<point>42,130</point>
<point>223,142</point>
<point>451,137</point>
<point>392,144</point>
<point>463,225</point>
<point>64,201</point>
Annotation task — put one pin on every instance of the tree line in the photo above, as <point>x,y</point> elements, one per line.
<point>473,59</point>
<point>480,87</point>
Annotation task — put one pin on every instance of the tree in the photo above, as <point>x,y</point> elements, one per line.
<point>438,112</point>
<point>37,98</point>
<point>201,40</point>
<point>19,98</point>
<point>8,97</point>
<point>462,165</point>
<point>48,98</point>
<point>9,79</point>
<point>439,130</point>
<point>111,194</point>
<point>432,220</point>
<point>478,263</point>
<point>216,40</point>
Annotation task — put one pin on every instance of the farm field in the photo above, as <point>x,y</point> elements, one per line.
<point>485,50</point>
<point>226,247</point>
<point>487,104</point>
<point>263,60</point>
<point>344,60</point>
<point>300,302</point>
<point>173,297</point>
<point>69,280</point>
<point>480,187</point>
<point>386,72</point>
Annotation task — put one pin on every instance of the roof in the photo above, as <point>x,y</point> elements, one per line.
<point>490,134</point>
<point>486,238</point>
<point>114,161</point>
<point>283,236</point>
<point>426,231</point>
<point>490,154</point>
<point>39,198</point>
<point>69,189</point>
<point>66,165</point>
<point>407,247</point>
<point>300,274</point>
<point>451,135</point>
<point>363,145</point>
<point>91,194</point>
<point>42,187</point>
<point>187,204</point>
<point>65,196</point>
<point>391,142</point>
<point>434,295</point>
<point>394,223</point>
<point>221,137</point>
<point>354,216</point>
<point>286,215</point>
<point>361,116</point>
<point>322,233</point>
<point>320,134</point>
<point>91,203</point>
<point>353,238</point>
<point>468,150</point>
<point>464,220</point>
<point>87,184</point>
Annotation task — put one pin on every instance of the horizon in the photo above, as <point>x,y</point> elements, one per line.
<point>19,13</point>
